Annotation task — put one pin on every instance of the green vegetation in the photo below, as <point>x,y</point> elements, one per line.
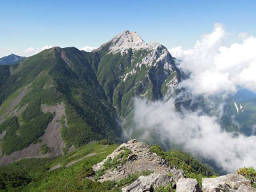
<point>164,87</point>
<point>110,68</point>
<point>11,59</point>
<point>120,159</point>
<point>89,115</point>
<point>131,178</point>
<point>19,136</point>
<point>50,79</point>
<point>180,160</point>
<point>44,149</point>
<point>13,178</point>
<point>16,176</point>
<point>89,84</point>
<point>4,74</point>
<point>140,80</point>
<point>167,188</point>
<point>40,175</point>
<point>34,175</point>
<point>249,173</point>
<point>117,185</point>
<point>7,103</point>
<point>95,147</point>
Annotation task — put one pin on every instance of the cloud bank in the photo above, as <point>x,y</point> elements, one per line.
<point>197,133</point>
<point>88,48</point>
<point>216,67</point>
<point>32,50</point>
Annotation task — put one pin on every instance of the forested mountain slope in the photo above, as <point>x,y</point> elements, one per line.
<point>74,97</point>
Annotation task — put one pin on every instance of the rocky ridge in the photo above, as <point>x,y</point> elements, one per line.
<point>156,52</point>
<point>135,157</point>
<point>127,40</point>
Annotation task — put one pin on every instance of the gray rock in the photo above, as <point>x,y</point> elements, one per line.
<point>230,182</point>
<point>147,183</point>
<point>187,185</point>
<point>177,174</point>
<point>245,188</point>
<point>140,159</point>
<point>132,157</point>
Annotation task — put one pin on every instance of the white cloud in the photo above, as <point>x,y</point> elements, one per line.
<point>88,48</point>
<point>217,67</point>
<point>32,51</point>
<point>23,52</point>
<point>199,134</point>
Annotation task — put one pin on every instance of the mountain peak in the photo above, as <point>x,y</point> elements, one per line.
<point>127,40</point>
<point>10,59</point>
<point>129,36</point>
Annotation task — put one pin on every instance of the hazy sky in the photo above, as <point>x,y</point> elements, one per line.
<point>28,25</point>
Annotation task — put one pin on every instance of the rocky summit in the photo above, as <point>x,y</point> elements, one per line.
<point>155,174</point>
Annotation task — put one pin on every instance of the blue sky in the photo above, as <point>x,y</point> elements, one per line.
<point>37,23</point>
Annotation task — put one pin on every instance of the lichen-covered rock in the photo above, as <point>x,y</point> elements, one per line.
<point>187,185</point>
<point>148,183</point>
<point>230,182</point>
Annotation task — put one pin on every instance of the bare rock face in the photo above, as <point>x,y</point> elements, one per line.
<point>139,159</point>
<point>177,174</point>
<point>148,183</point>
<point>187,185</point>
<point>51,137</point>
<point>246,188</point>
<point>230,182</point>
<point>127,40</point>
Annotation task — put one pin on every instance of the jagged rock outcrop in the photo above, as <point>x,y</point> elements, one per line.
<point>148,183</point>
<point>139,159</point>
<point>157,53</point>
<point>127,40</point>
<point>135,157</point>
<point>230,182</point>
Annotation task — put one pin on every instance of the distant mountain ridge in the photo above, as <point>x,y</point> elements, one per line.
<point>11,59</point>
<point>77,96</point>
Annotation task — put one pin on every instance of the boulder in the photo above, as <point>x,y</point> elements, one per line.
<point>177,174</point>
<point>148,183</point>
<point>230,182</point>
<point>246,188</point>
<point>187,185</point>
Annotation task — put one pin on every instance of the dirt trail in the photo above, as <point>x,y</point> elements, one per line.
<point>82,158</point>
<point>75,161</point>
